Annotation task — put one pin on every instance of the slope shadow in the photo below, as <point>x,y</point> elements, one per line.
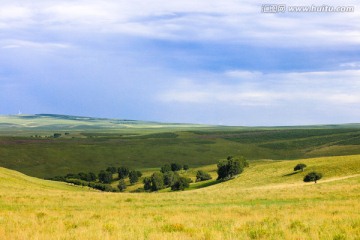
<point>290,174</point>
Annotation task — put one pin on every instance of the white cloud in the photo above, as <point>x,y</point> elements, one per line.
<point>209,20</point>
<point>350,65</point>
<point>241,74</point>
<point>333,87</point>
<point>14,43</point>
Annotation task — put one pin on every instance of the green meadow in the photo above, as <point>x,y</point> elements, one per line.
<point>267,201</point>
<point>92,144</point>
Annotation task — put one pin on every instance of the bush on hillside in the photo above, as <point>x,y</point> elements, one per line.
<point>147,183</point>
<point>98,186</point>
<point>165,168</point>
<point>300,166</point>
<point>111,169</point>
<point>312,177</point>
<point>231,167</point>
<point>102,187</point>
<point>139,174</point>
<point>133,176</point>
<point>157,181</point>
<point>122,185</point>
<point>123,172</point>
<point>175,167</point>
<point>105,176</point>
<point>202,176</point>
<point>181,183</point>
<point>170,178</point>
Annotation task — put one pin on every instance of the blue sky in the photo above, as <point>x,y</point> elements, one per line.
<point>214,62</point>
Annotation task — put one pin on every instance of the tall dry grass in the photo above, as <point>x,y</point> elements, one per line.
<point>265,202</point>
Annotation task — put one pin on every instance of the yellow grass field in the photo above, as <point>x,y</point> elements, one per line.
<point>267,201</point>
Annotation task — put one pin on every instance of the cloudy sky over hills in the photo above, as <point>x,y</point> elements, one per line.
<point>218,62</point>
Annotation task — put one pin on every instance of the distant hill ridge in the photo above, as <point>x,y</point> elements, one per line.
<point>53,120</point>
<point>59,121</point>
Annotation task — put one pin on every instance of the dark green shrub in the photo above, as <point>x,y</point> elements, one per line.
<point>300,166</point>
<point>57,178</point>
<point>181,184</point>
<point>175,167</point>
<point>91,177</point>
<point>105,177</point>
<point>312,177</point>
<point>231,167</point>
<point>202,176</point>
<point>102,187</point>
<point>165,168</point>
<point>123,172</point>
<point>170,178</point>
<point>139,174</point>
<point>157,181</point>
<point>72,175</point>
<point>57,135</point>
<point>122,185</point>
<point>133,177</point>
<point>111,169</point>
<point>147,183</point>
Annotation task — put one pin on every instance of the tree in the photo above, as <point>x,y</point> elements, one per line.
<point>139,174</point>
<point>105,176</point>
<point>312,177</point>
<point>170,178</point>
<point>222,170</point>
<point>122,185</point>
<point>230,167</point>
<point>300,166</point>
<point>147,183</point>
<point>181,184</point>
<point>165,168</point>
<point>57,135</point>
<point>111,169</point>
<point>157,181</point>
<point>123,172</point>
<point>133,176</point>
<point>175,167</point>
<point>91,177</point>
<point>202,176</point>
<point>186,167</point>
<point>72,176</point>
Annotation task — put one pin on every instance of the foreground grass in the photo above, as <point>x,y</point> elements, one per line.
<point>265,202</point>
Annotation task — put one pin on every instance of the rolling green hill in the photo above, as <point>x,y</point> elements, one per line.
<point>27,143</point>
<point>267,201</point>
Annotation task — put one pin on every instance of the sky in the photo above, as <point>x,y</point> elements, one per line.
<point>205,61</point>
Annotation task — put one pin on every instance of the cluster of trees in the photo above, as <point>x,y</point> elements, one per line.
<point>159,180</point>
<point>310,177</point>
<point>103,180</point>
<point>231,167</point>
<point>173,167</point>
<point>95,185</point>
<point>167,177</point>
<point>202,176</point>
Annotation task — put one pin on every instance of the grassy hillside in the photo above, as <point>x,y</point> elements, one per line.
<point>267,201</point>
<point>91,144</point>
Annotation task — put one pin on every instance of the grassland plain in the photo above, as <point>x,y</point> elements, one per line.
<point>93,144</point>
<point>267,201</point>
